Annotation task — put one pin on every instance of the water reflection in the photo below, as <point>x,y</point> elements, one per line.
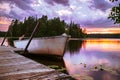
<point>97,59</point>
<point>74,46</point>
<point>90,59</point>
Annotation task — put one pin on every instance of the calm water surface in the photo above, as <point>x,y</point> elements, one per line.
<point>91,59</point>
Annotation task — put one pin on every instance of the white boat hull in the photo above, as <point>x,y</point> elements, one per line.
<point>44,45</point>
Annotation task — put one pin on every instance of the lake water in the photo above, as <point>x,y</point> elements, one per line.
<point>93,59</point>
<point>90,59</point>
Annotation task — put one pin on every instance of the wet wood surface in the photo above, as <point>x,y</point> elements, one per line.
<point>17,67</point>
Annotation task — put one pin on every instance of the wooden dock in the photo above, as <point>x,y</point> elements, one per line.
<point>17,67</point>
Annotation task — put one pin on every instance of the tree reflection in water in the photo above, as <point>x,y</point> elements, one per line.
<point>93,59</point>
<point>74,46</point>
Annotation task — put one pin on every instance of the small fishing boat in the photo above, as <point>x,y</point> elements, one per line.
<point>54,45</point>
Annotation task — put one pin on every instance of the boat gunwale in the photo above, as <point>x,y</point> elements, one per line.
<point>37,38</point>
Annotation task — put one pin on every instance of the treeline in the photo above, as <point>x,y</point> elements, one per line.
<point>103,35</point>
<point>74,46</point>
<point>2,34</point>
<point>47,27</point>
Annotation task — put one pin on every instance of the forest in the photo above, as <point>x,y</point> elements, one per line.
<point>46,27</point>
<point>2,34</point>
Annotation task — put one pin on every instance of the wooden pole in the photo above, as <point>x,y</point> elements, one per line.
<point>4,38</point>
<point>31,37</point>
<point>7,33</point>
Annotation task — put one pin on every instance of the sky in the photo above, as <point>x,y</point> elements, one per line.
<point>90,14</point>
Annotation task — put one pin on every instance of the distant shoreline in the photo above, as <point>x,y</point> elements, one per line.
<point>103,35</point>
<point>2,34</point>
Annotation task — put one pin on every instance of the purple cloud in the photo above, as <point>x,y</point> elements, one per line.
<point>22,4</point>
<point>28,1</point>
<point>12,15</point>
<point>100,4</point>
<point>63,2</point>
<point>89,13</point>
<point>101,22</point>
<point>15,15</point>
<point>3,14</point>
<point>15,8</point>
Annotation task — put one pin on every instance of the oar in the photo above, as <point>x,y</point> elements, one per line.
<point>31,37</point>
<point>5,36</point>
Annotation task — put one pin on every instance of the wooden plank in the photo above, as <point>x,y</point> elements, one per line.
<point>14,66</point>
<point>13,60</point>
<point>4,49</point>
<point>26,71</point>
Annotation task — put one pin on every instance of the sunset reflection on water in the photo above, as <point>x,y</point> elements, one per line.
<point>102,44</point>
<point>91,59</point>
<point>96,59</point>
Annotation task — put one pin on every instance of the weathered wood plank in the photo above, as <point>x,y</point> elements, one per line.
<point>13,60</point>
<point>8,69</point>
<point>15,64</point>
<point>4,48</point>
<point>17,67</point>
<point>26,71</point>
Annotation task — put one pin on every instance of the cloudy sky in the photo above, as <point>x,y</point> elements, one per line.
<point>87,13</point>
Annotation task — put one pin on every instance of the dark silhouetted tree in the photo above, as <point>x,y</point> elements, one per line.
<point>115,13</point>
<point>46,28</point>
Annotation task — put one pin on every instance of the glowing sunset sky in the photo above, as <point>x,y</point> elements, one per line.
<point>103,30</point>
<point>88,13</point>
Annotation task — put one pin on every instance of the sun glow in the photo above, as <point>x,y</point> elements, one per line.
<point>103,30</point>
<point>4,23</point>
<point>102,44</point>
